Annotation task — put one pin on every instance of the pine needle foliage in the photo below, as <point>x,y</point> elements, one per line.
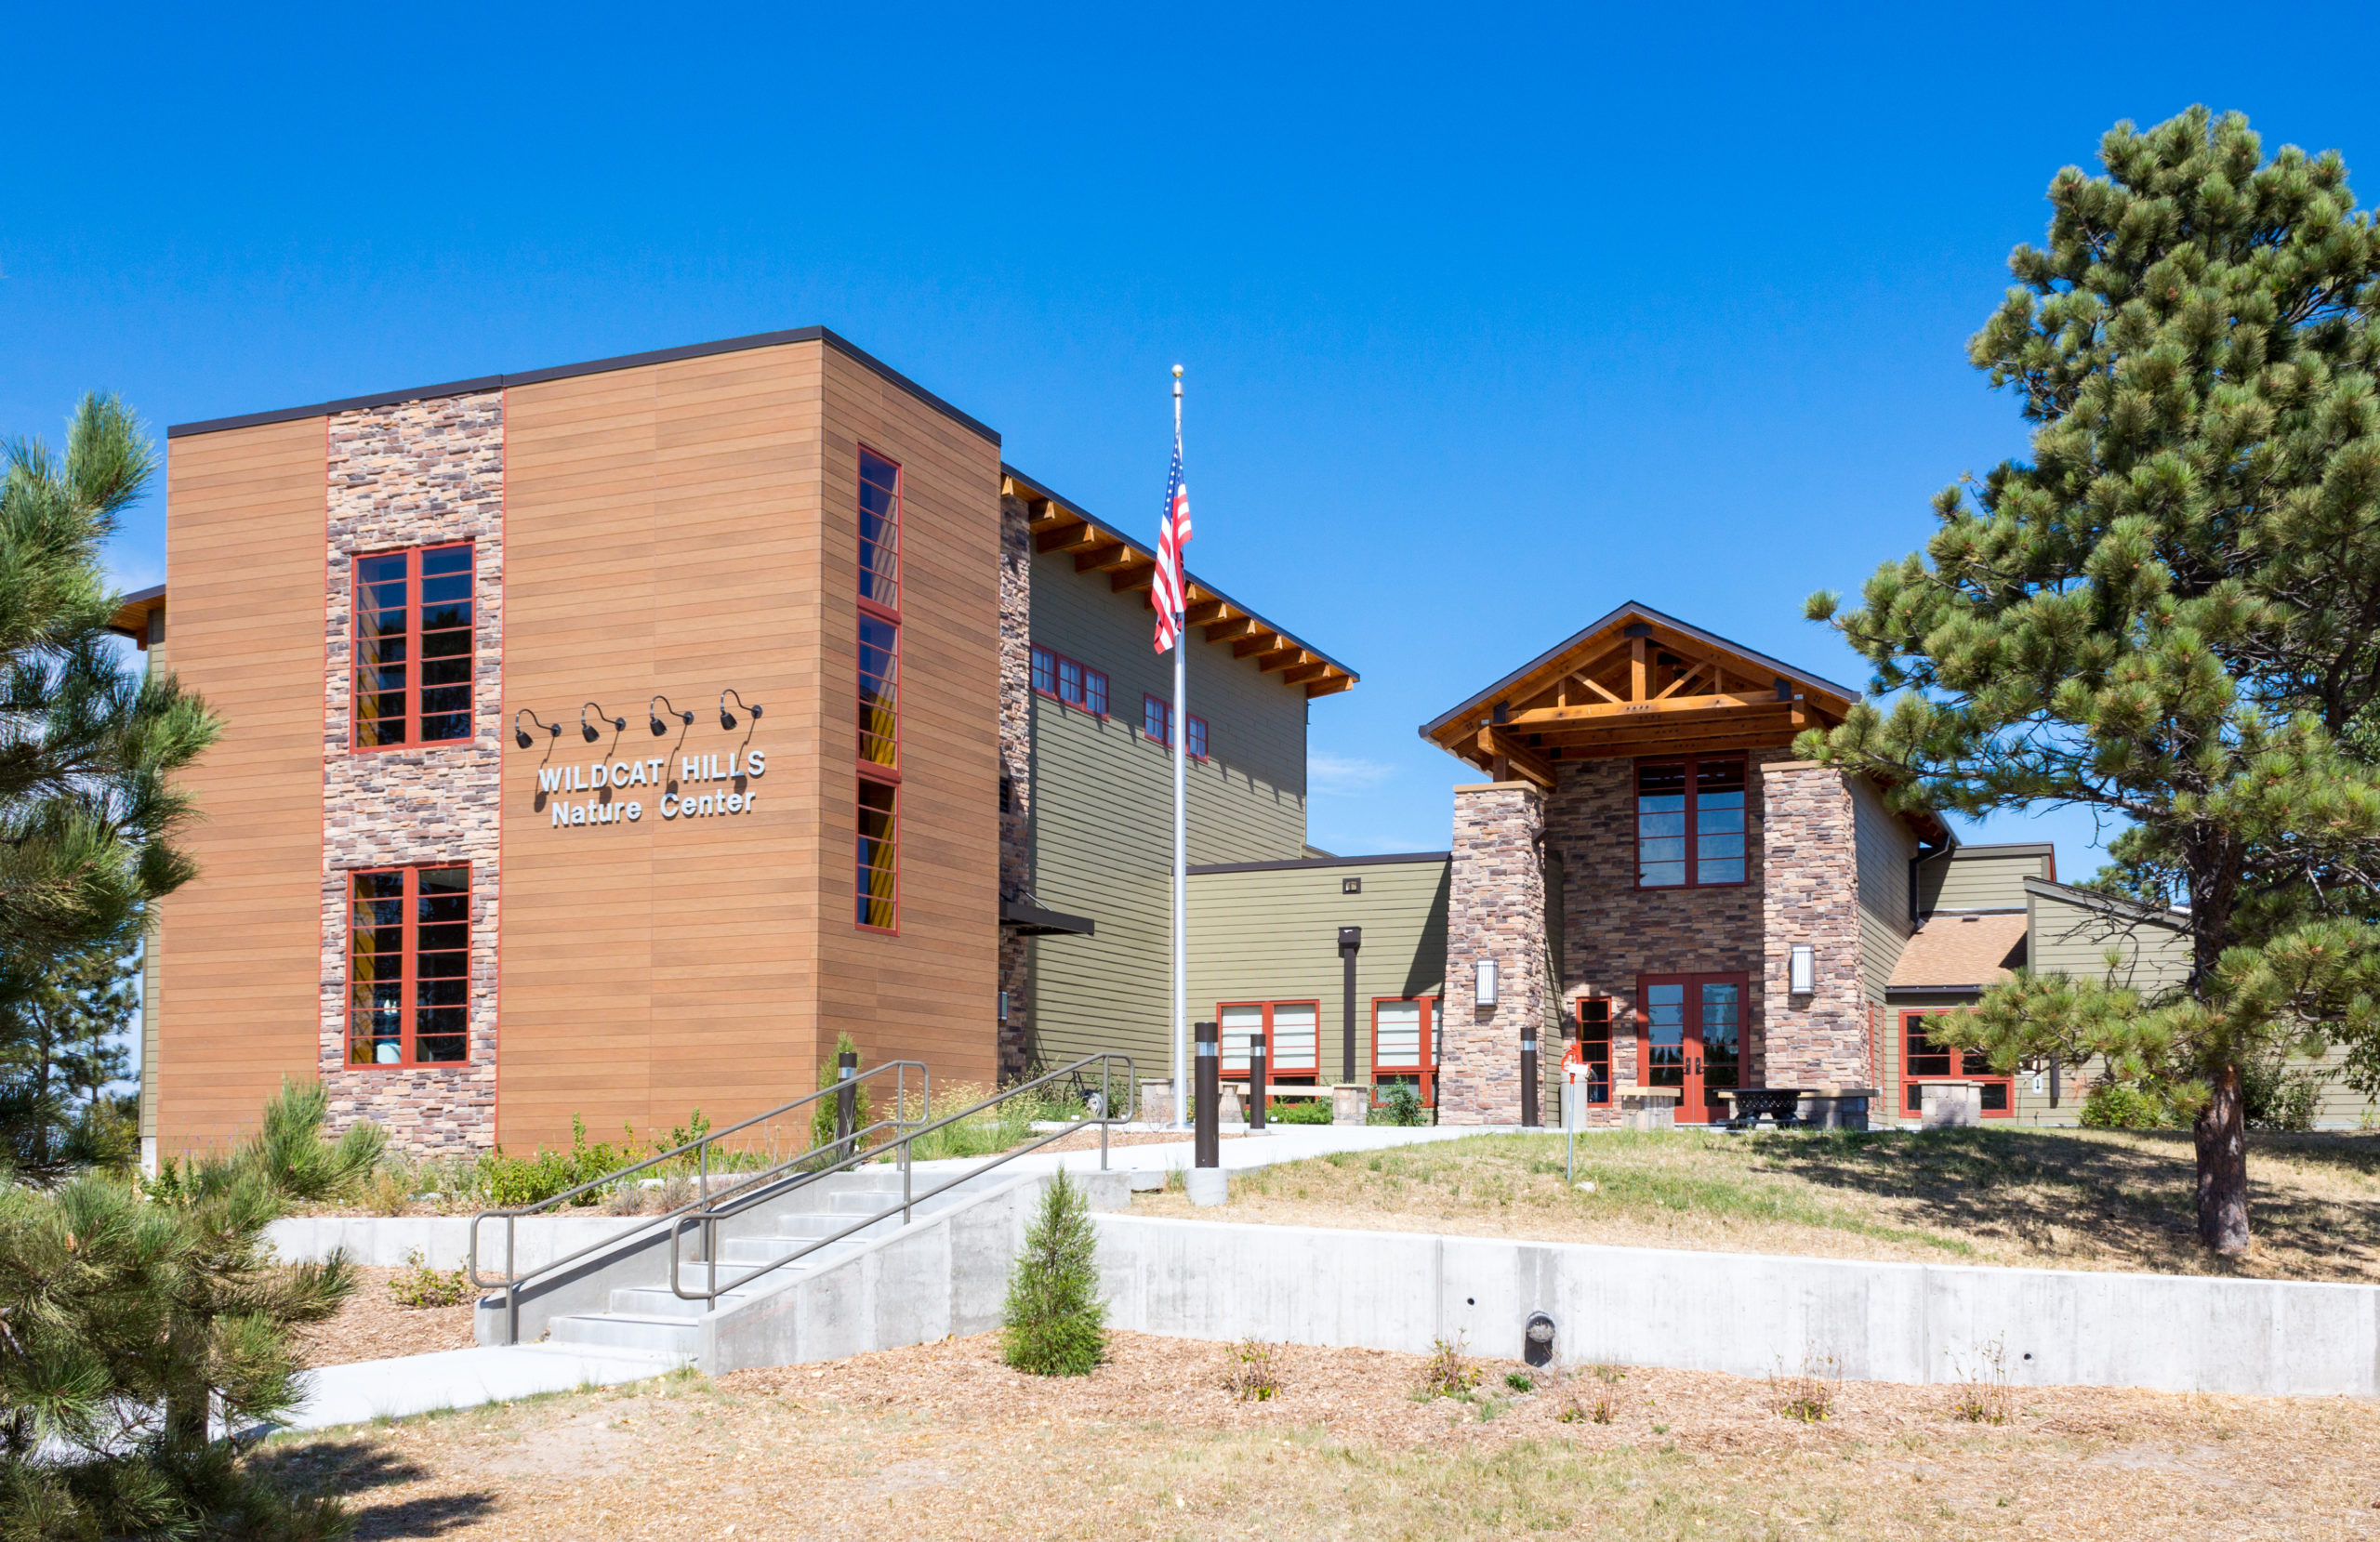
<point>2169,613</point>
<point>133,1325</point>
<point>1056,1325</point>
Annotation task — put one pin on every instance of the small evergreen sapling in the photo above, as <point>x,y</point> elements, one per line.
<point>1056,1325</point>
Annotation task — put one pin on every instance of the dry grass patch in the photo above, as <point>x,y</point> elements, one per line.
<point>370,1326</point>
<point>942,1439</point>
<point>2063,1199</point>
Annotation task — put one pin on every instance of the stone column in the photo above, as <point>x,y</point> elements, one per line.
<point>1811,864</point>
<point>1495,909</point>
<point>1016,776</point>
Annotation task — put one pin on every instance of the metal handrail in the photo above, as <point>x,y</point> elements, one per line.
<point>736,1205</point>
<point>855,1140</point>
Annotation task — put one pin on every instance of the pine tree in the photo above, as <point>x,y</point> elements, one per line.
<point>59,1053</point>
<point>1054,1324</point>
<point>2169,613</point>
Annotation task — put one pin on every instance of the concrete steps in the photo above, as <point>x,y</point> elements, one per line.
<point>650,1318</point>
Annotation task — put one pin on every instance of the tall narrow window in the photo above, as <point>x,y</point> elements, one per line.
<point>409,967</point>
<point>1196,747</point>
<point>1689,823</point>
<point>876,867</point>
<point>1594,1047</point>
<point>1403,1048</point>
<point>414,650</point>
<point>880,832</point>
<point>1157,719</point>
<point>880,720</point>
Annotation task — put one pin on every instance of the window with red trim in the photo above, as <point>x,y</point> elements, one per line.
<point>1689,823</point>
<point>1196,747</point>
<point>1407,1040</point>
<point>1923,1061</point>
<point>1156,719</point>
<point>1292,1037</point>
<point>1594,1047</point>
<point>413,647</point>
<point>1069,680</point>
<point>409,965</point>
<point>876,870</point>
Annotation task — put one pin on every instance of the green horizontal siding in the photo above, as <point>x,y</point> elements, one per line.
<point>1979,877</point>
<point>1102,810</point>
<point>1883,845</point>
<point>1274,936</point>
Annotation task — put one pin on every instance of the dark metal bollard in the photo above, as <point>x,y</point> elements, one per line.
<point>1206,1146</point>
<point>1256,1081</point>
<point>846,1101</point>
<point>1528,1078</point>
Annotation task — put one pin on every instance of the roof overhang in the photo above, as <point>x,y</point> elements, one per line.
<point>1635,682</point>
<point>1033,921</point>
<point>1061,528</point>
<point>136,615</point>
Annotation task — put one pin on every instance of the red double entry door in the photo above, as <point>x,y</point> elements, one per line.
<point>1690,1035</point>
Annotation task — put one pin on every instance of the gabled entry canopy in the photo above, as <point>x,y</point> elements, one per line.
<point>1637,682</point>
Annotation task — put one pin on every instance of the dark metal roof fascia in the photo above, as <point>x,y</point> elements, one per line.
<point>594,366</point>
<point>1474,703</point>
<point>1077,509</point>
<point>1299,864</point>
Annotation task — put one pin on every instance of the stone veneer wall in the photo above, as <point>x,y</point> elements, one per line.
<point>1495,909</point>
<point>1016,772</point>
<point>1617,931</point>
<point>414,474</point>
<point>1813,896</point>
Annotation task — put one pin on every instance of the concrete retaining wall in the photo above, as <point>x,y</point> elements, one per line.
<point>382,1242</point>
<point>1744,1314</point>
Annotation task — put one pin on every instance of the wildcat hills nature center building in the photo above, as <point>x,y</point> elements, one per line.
<point>602,741</point>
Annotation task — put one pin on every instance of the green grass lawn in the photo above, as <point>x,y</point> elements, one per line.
<point>2082,1199</point>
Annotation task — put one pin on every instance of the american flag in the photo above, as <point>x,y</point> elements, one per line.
<point>1173,534</point>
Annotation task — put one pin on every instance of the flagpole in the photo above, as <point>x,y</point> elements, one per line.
<point>1181,844</point>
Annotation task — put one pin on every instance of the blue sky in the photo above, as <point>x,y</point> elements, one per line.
<point>1493,319</point>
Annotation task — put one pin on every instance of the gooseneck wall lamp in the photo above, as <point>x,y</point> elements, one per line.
<point>660,728</point>
<point>521,736</point>
<point>590,731</point>
<point>727,719</point>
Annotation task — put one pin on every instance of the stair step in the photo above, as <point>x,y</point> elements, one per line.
<point>624,1331</point>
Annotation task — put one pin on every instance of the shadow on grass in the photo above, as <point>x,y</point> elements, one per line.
<point>350,1468</point>
<point>2072,1195</point>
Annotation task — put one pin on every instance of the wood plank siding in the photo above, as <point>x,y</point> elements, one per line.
<point>239,946</point>
<point>1103,803</point>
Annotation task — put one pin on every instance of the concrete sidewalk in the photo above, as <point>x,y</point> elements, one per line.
<point>413,1384</point>
<point>1265,1148</point>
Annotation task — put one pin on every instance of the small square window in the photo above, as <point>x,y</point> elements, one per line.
<point>1351,886</point>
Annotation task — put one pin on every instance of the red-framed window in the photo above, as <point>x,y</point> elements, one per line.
<point>879,869</point>
<point>1595,1046</point>
<point>876,867</point>
<point>880,693</point>
<point>880,530</point>
<point>1156,722</point>
<point>1292,1037</point>
<point>1069,680</point>
<point>1690,822</point>
<point>1407,1038</point>
<point>1923,1061</point>
<point>409,965</point>
<point>413,649</point>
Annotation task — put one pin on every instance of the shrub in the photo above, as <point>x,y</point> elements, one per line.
<point>1254,1377</point>
<point>514,1180</point>
<point>417,1286</point>
<point>1448,1372</point>
<point>385,1194</point>
<point>1402,1105</point>
<point>1809,1397</point>
<point>2121,1105</point>
<point>2277,1097</point>
<point>821,1112</point>
<point>1983,1396</point>
<point>1298,1110</point>
<point>1056,1325</point>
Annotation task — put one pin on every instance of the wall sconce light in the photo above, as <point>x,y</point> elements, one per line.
<point>660,728</point>
<point>727,719</point>
<point>590,732</point>
<point>1484,971</point>
<point>1802,970</point>
<point>521,736</point>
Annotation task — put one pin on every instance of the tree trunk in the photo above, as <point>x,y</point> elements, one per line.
<point>2222,1166</point>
